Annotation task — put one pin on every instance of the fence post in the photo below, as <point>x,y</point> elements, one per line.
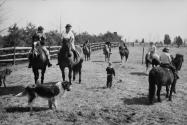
<point>14,58</point>
<point>143,55</point>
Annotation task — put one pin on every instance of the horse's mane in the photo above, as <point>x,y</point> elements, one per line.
<point>177,61</point>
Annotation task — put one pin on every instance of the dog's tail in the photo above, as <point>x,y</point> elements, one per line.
<point>21,94</point>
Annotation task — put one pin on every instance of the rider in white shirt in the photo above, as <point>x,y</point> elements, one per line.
<point>67,35</point>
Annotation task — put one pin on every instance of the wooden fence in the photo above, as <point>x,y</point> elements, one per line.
<point>17,54</point>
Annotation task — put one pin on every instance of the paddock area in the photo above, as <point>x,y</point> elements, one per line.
<point>91,102</point>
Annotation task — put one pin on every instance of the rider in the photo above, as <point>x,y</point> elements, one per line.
<point>67,35</point>
<point>165,59</point>
<point>108,44</point>
<point>122,44</point>
<point>39,39</point>
<point>87,43</point>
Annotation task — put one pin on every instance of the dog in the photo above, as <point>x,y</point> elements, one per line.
<point>3,75</point>
<point>44,91</point>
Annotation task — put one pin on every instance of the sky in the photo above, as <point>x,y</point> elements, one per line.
<point>132,19</point>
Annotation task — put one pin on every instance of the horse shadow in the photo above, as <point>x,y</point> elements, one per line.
<point>136,101</point>
<point>50,83</point>
<point>24,109</point>
<point>139,73</point>
<point>97,88</point>
<point>11,90</point>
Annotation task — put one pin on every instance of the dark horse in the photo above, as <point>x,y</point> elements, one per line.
<point>123,51</point>
<point>39,62</point>
<point>159,76</point>
<point>151,61</point>
<point>87,52</point>
<point>106,52</point>
<point>67,59</point>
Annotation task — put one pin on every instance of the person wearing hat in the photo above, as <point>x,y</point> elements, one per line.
<point>110,73</point>
<point>38,39</point>
<point>87,43</point>
<point>108,44</point>
<point>165,60</point>
<point>67,35</point>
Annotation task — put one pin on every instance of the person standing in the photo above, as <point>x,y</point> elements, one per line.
<point>110,73</point>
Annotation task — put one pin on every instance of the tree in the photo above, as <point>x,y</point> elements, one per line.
<point>179,41</point>
<point>167,39</point>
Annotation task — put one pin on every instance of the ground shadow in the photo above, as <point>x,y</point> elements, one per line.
<point>97,88</point>
<point>139,73</point>
<point>24,109</point>
<point>136,101</point>
<point>97,61</point>
<point>116,62</point>
<point>11,90</point>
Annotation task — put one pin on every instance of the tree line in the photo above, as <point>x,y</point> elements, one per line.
<point>23,37</point>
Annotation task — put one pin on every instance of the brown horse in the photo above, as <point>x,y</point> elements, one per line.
<point>123,51</point>
<point>87,52</point>
<point>39,62</point>
<point>106,52</point>
<point>67,59</point>
<point>159,76</point>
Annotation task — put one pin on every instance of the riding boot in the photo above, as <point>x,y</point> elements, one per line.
<point>75,55</point>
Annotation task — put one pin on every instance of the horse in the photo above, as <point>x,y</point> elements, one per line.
<point>151,60</point>
<point>160,76</point>
<point>39,62</point>
<point>123,51</point>
<point>106,52</point>
<point>67,59</point>
<point>87,52</point>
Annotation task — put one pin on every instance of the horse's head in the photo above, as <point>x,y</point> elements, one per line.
<point>177,61</point>
<point>66,47</point>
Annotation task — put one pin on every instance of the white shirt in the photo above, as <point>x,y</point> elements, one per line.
<point>121,43</point>
<point>70,36</point>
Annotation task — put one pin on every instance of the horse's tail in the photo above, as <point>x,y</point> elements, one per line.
<point>152,85</point>
<point>77,67</point>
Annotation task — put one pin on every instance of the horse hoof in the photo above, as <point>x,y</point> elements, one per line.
<point>170,99</point>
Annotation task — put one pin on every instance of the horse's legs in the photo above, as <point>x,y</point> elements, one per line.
<point>80,75</point>
<point>42,75</point>
<point>73,75</point>
<point>63,73</point>
<point>36,75</point>
<point>70,73</point>
<point>158,92</point>
<point>167,91</point>
<point>171,90</point>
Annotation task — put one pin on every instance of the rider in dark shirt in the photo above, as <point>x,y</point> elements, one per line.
<point>110,74</point>
<point>38,39</point>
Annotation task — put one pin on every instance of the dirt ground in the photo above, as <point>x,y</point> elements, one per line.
<point>90,103</point>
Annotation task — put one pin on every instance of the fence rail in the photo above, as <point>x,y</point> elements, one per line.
<point>16,54</point>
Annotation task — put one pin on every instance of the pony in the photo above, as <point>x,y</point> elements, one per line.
<point>151,60</point>
<point>39,62</point>
<point>106,52</point>
<point>123,51</point>
<point>87,52</point>
<point>161,76</point>
<point>67,59</point>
